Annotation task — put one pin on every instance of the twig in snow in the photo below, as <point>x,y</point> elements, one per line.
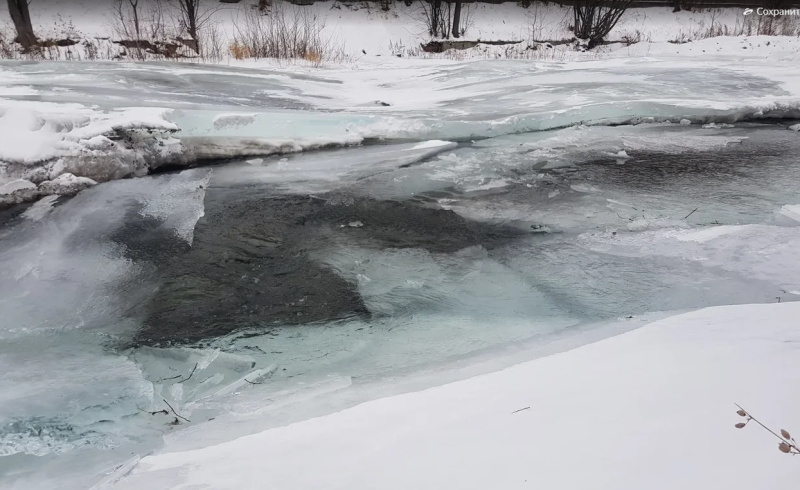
<point>173,411</point>
<point>254,382</point>
<point>787,445</point>
<point>521,409</point>
<point>687,216</point>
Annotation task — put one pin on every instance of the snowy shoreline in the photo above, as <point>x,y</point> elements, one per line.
<point>48,131</point>
<point>650,408</point>
<point>260,108</point>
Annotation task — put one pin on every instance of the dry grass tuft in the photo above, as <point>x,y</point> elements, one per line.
<point>239,51</point>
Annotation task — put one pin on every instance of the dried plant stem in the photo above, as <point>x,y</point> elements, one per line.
<point>788,441</point>
<point>173,411</point>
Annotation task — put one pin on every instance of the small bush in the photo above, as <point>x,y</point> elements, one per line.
<point>285,32</point>
<point>239,51</point>
<point>594,19</point>
<point>313,57</point>
<point>629,38</point>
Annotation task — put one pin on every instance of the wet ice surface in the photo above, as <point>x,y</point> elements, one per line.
<point>250,289</point>
<point>546,238</point>
<point>110,120</point>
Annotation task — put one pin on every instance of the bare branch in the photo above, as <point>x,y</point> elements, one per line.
<point>173,411</point>
<point>687,216</point>
<point>190,374</point>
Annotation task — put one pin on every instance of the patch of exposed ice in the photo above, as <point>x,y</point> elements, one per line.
<point>678,143</point>
<point>791,211</point>
<point>179,202</point>
<point>706,234</point>
<point>40,208</point>
<point>432,144</point>
<point>584,188</point>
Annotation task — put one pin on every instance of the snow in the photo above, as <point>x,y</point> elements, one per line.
<point>485,132</point>
<point>364,31</point>
<point>16,185</point>
<point>66,184</point>
<point>652,408</point>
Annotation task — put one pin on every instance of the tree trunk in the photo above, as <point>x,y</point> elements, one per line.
<point>436,14</point>
<point>22,23</point>
<point>676,5</point>
<point>457,20</point>
<point>135,10</point>
<point>190,10</point>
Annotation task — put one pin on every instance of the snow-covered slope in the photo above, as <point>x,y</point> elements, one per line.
<point>653,408</point>
<point>365,30</point>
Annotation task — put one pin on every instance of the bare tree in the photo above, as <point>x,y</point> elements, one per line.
<point>136,23</point>
<point>133,29</point>
<point>21,17</point>
<point>457,20</point>
<point>445,18</point>
<point>193,17</point>
<point>433,16</point>
<point>594,19</point>
<point>127,25</point>
<point>154,24</point>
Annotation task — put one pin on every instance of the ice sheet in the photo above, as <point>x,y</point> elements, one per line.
<point>238,112</point>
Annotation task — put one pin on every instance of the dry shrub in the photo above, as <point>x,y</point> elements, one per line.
<point>7,51</point>
<point>212,43</point>
<point>594,19</point>
<point>239,51</point>
<point>787,444</point>
<point>286,32</point>
<point>313,57</point>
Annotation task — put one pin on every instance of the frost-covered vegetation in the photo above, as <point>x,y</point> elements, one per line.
<point>335,32</point>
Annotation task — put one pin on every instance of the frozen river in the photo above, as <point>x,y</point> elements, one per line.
<point>274,286</point>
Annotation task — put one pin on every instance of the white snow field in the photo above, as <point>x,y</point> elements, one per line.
<point>653,408</point>
<point>306,257</point>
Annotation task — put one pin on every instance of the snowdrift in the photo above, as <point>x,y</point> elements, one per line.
<point>652,408</point>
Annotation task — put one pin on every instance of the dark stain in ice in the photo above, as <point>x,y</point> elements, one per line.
<point>250,265</point>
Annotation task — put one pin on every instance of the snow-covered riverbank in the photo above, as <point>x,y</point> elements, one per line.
<point>104,121</point>
<point>653,408</point>
<point>458,216</point>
